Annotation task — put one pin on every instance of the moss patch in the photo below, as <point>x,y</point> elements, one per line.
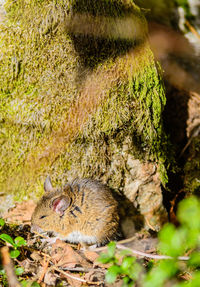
<point>71,98</point>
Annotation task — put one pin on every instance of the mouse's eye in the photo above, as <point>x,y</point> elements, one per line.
<point>43,216</point>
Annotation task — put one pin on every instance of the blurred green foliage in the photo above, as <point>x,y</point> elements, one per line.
<point>174,242</point>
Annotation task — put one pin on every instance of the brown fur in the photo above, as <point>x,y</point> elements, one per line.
<point>85,206</point>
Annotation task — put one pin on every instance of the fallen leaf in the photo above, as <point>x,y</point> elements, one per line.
<point>97,276</point>
<point>21,212</point>
<point>93,256</point>
<point>71,281</point>
<point>29,266</point>
<point>89,276</point>
<point>50,278</point>
<point>36,256</point>
<point>64,255</point>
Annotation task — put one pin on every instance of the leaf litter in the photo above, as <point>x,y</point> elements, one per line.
<point>61,261</point>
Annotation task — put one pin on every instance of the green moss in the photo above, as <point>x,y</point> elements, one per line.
<point>45,69</point>
<point>132,109</point>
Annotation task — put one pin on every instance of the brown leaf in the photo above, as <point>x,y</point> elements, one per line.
<point>21,213</point>
<point>36,256</point>
<point>29,266</point>
<point>89,276</point>
<point>91,255</point>
<point>73,282</point>
<point>64,255</point>
<point>50,278</point>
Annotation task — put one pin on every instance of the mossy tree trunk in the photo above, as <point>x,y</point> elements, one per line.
<point>81,95</point>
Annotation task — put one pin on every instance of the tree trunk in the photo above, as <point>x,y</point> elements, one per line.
<point>82,96</point>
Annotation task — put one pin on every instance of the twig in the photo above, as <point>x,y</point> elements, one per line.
<point>45,266</point>
<point>127,240</point>
<point>149,224</point>
<point>75,278</point>
<point>153,256</point>
<point>99,249</point>
<point>77,269</point>
<point>41,235</point>
<point>80,269</point>
<point>192,29</point>
<point>140,253</point>
<point>9,268</point>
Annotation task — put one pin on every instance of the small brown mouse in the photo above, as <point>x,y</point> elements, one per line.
<point>84,211</point>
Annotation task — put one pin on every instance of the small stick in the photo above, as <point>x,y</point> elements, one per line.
<point>75,278</point>
<point>71,269</point>
<point>140,253</point>
<point>80,269</point>
<point>9,268</point>
<point>45,266</point>
<point>192,29</point>
<point>99,249</point>
<point>41,235</point>
<point>153,256</point>
<point>149,224</point>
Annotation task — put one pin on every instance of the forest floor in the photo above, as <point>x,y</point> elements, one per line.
<point>60,263</point>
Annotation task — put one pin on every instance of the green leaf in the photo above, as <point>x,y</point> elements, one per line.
<point>170,267</point>
<point>189,212</point>
<point>110,255</point>
<point>194,259</point>
<point>104,258</point>
<point>35,284</point>
<point>112,274</point>
<point>2,222</point>
<point>19,271</point>
<point>158,275</point>
<point>24,283</point>
<point>20,241</point>
<point>172,240</point>
<point>111,249</point>
<point>14,253</point>
<point>127,262</point>
<point>127,282</point>
<point>125,252</point>
<point>2,272</point>
<point>7,238</point>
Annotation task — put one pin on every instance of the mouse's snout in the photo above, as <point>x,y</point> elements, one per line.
<point>36,228</point>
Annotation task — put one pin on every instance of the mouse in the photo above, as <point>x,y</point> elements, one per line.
<point>83,211</point>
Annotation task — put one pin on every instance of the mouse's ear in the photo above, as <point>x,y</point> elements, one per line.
<point>60,204</point>
<point>48,185</point>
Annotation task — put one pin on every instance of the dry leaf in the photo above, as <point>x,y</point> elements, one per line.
<point>64,255</point>
<point>73,282</point>
<point>36,256</point>
<point>29,266</point>
<point>50,278</point>
<point>21,213</point>
<point>89,276</point>
<point>91,255</point>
